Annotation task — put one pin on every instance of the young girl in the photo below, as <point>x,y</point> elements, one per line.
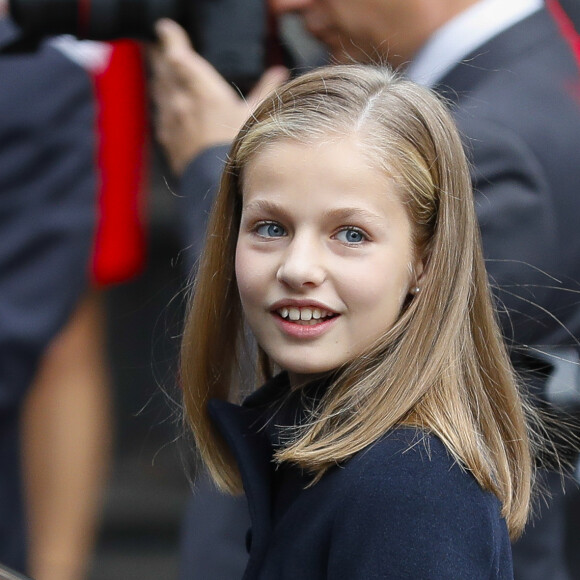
<point>389,440</point>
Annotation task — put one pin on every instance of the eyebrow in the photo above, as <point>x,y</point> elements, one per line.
<point>263,205</point>
<point>342,213</point>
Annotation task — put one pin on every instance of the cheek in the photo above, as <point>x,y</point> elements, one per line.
<point>250,276</point>
<point>243,277</point>
<point>378,289</point>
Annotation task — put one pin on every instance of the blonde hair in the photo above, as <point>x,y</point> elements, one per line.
<point>443,366</point>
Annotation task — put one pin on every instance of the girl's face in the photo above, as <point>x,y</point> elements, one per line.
<point>324,257</point>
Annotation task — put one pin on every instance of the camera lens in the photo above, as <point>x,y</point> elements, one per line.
<point>34,15</point>
<point>94,19</point>
<point>110,19</point>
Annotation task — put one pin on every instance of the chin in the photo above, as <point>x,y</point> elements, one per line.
<point>307,372</point>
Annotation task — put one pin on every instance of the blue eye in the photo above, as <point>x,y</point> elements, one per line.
<point>270,230</point>
<point>351,236</point>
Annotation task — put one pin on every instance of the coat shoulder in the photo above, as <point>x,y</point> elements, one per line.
<point>405,453</point>
<point>408,499</point>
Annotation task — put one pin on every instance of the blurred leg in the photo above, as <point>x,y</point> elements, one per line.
<point>66,447</point>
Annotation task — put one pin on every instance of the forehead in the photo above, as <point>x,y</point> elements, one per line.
<point>342,156</point>
<point>334,172</point>
<point>347,156</point>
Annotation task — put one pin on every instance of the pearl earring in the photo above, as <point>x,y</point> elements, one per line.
<point>415,290</point>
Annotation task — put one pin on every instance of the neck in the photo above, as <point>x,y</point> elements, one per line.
<point>299,381</point>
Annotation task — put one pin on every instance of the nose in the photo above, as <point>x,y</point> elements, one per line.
<point>302,265</point>
<point>285,6</point>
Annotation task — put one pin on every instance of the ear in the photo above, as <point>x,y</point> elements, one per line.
<point>418,269</point>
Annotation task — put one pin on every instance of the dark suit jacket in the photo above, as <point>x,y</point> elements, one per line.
<point>47,214</point>
<point>400,509</point>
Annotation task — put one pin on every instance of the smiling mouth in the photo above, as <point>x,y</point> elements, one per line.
<point>305,316</point>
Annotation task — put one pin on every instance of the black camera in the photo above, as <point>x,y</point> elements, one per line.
<point>231,34</point>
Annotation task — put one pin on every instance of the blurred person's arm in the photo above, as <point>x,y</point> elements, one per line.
<point>66,442</point>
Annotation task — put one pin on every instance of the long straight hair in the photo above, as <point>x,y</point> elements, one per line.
<point>443,366</point>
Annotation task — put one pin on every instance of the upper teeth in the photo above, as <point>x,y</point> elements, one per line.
<point>293,313</point>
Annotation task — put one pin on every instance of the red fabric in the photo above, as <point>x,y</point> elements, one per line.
<point>570,34</point>
<point>119,250</point>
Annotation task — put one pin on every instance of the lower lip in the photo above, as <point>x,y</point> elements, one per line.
<point>305,331</point>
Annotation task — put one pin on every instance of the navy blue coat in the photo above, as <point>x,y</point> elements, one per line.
<point>400,509</point>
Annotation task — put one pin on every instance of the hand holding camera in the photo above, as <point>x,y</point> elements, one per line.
<point>196,108</point>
